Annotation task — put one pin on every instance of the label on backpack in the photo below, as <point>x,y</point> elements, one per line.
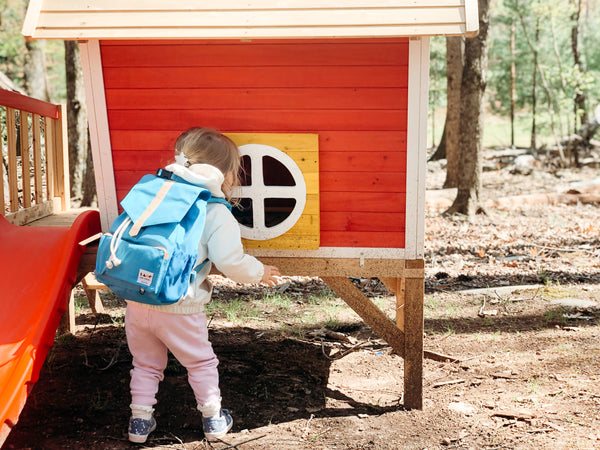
<point>145,277</point>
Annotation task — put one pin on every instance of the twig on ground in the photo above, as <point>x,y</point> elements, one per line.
<point>480,313</point>
<point>308,423</point>
<point>537,291</point>
<point>210,321</point>
<point>243,442</point>
<point>341,353</point>
<point>563,249</point>
<point>449,382</point>
<point>111,363</point>
<point>439,357</point>
<point>175,437</point>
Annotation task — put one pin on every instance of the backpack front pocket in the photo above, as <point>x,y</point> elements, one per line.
<point>141,279</point>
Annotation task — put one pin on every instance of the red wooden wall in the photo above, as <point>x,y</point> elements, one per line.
<point>353,93</point>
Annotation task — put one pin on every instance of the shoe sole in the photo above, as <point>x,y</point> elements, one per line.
<point>137,439</point>
<point>220,435</point>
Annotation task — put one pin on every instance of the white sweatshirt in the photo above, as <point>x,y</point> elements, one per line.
<point>220,243</point>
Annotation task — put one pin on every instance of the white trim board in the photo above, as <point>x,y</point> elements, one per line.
<point>416,146</point>
<point>91,64</point>
<point>332,252</point>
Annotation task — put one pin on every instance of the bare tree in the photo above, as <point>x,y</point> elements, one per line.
<point>36,83</point>
<point>80,163</point>
<point>471,124</point>
<point>448,147</point>
<point>580,95</point>
<point>534,87</point>
<point>513,84</point>
<point>550,97</point>
<point>455,50</point>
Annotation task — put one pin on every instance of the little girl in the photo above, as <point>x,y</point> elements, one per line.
<point>209,159</point>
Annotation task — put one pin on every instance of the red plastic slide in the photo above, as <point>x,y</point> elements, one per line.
<point>38,267</point>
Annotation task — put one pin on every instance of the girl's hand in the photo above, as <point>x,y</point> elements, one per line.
<point>270,275</point>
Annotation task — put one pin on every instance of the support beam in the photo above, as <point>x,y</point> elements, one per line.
<point>370,313</point>
<point>396,285</point>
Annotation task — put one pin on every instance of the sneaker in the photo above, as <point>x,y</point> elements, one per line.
<point>215,427</point>
<point>139,429</point>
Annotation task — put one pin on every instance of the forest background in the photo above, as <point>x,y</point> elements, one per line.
<point>540,78</point>
<point>526,374</point>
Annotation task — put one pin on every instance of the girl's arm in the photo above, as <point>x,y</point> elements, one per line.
<point>225,250</point>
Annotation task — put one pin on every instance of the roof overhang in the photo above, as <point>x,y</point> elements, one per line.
<point>248,19</point>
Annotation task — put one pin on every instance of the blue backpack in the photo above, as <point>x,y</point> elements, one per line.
<point>150,253</point>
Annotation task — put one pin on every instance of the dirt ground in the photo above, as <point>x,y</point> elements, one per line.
<point>527,342</point>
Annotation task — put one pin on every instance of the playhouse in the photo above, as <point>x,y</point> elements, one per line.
<point>327,101</point>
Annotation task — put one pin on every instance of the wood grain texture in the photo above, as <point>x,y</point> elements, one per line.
<point>413,342</point>
<point>397,286</point>
<point>370,313</point>
<point>343,267</point>
<point>151,19</point>
<point>352,94</point>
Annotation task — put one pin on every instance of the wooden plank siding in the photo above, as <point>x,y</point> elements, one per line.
<point>239,19</point>
<point>352,93</point>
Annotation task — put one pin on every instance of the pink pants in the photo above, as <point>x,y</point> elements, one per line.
<point>150,333</point>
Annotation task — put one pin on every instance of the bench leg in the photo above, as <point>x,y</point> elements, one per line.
<point>94,300</point>
<point>67,321</point>
<point>91,286</point>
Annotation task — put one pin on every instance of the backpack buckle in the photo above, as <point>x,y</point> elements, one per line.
<point>164,173</point>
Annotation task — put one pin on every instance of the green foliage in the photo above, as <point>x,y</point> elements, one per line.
<point>437,84</point>
<point>437,71</point>
<point>12,43</point>
<point>13,51</point>
<point>543,26</point>
<point>539,25</point>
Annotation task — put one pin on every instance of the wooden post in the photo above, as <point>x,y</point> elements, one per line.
<point>50,152</point>
<point>61,159</point>
<point>25,166</point>
<point>396,285</point>
<point>413,338</point>
<point>11,140</point>
<point>37,159</point>
<point>67,321</point>
<point>91,286</point>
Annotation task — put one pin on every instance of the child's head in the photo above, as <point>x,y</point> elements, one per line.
<point>207,146</point>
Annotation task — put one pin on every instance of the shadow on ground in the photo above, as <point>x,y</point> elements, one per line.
<point>82,398</point>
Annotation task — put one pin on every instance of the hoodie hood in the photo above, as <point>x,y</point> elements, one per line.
<point>204,175</point>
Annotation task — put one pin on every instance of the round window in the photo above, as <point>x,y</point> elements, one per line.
<point>272,195</point>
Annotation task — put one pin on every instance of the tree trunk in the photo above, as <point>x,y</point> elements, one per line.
<point>36,83</point>
<point>454,72</point>
<point>580,95</point>
<point>471,118</point>
<point>534,88</point>
<point>440,151</point>
<point>89,182</point>
<point>80,166</point>
<point>553,106</point>
<point>513,87</point>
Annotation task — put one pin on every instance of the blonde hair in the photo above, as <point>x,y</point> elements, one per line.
<point>202,145</point>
